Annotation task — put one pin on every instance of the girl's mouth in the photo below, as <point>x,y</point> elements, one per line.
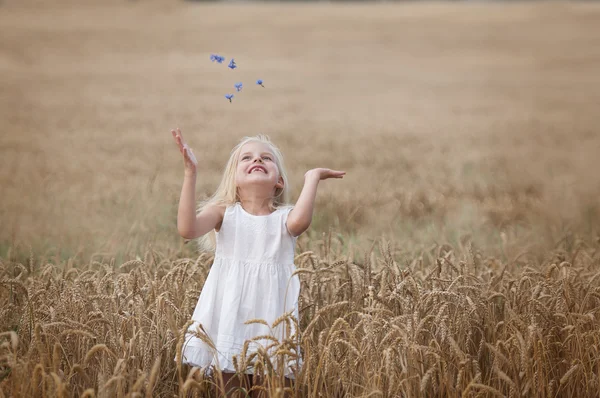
<point>257,168</point>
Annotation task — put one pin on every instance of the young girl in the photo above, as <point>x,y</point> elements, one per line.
<point>255,234</point>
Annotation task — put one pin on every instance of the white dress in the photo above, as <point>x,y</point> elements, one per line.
<point>250,278</point>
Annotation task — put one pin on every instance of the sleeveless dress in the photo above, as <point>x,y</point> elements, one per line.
<point>250,278</point>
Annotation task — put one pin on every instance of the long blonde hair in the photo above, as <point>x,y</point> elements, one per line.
<point>227,193</point>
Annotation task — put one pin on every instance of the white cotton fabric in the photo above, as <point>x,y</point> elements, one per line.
<point>250,278</point>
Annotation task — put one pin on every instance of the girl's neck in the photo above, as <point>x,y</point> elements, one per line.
<point>257,206</point>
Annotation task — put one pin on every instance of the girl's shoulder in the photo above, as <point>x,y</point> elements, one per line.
<point>217,208</point>
<point>237,206</point>
<point>286,208</point>
<point>217,211</point>
<point>231,207</point>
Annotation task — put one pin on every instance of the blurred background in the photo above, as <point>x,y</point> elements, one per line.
<point>455,121</point>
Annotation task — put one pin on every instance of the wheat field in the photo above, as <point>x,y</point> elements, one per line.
<point>460,255</point>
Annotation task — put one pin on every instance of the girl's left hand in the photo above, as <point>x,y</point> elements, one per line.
<point>323,174</point>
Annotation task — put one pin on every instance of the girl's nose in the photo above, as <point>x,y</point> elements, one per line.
<point>258,159</point>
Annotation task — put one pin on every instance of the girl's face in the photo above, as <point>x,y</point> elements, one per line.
<point>257,168</point>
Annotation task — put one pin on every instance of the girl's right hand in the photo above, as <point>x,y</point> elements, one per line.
<point>189,160</point>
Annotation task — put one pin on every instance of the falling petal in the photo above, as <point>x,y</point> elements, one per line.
<point>217,57</point>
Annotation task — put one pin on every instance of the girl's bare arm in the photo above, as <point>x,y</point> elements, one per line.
<point>190,225</point>
<point>300,217</point>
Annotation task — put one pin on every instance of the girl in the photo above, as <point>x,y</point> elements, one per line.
<point>255,235</point>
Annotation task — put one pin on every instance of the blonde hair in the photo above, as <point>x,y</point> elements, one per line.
<point>227,193</point>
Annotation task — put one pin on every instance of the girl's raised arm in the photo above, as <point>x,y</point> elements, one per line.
<point>300,217</point>
<point>189,225</point>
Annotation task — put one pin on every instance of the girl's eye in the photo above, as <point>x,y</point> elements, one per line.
<point>267,157</point>
<point>246,157</point>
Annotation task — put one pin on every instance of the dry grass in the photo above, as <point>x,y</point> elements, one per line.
<point>469,134</point>
<point>449,323</point>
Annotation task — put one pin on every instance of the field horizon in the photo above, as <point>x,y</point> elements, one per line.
<point>448,123</point>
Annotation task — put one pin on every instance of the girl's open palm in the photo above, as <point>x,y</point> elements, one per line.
<point>189,160</point>
<point>323,174</point>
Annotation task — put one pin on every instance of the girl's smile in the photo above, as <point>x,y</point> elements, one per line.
<point>257,168</point>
